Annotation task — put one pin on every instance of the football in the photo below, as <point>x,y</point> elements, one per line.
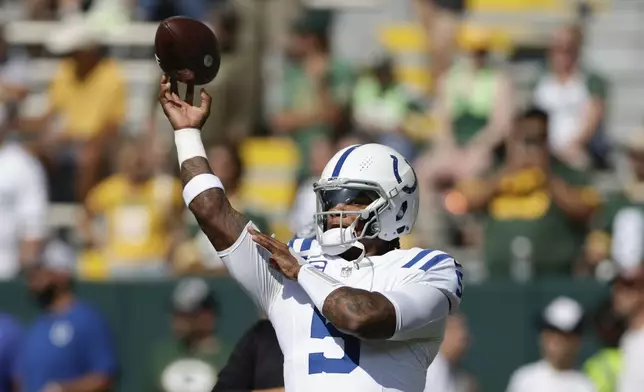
<point>187,50</point>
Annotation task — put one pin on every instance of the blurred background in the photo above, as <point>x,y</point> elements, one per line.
<point>522,118</point>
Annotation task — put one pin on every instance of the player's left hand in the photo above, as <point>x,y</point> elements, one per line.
<point>281,258</point>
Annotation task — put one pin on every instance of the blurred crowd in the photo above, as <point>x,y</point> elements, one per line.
<point>514,180</point>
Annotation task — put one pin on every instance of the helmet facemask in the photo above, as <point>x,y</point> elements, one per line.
<point>335,192</point>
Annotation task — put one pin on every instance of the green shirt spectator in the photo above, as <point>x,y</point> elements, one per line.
<point>178,368</point>
<point>315,89</point>
<point>535,208</point>
<point>192,360</point>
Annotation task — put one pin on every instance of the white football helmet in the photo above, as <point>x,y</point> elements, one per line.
<point>370,174</point>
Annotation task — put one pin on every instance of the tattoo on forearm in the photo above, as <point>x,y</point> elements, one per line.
<point>221,223</point>
<point>366,314</point>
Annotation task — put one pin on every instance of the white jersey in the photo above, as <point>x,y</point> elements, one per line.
<point>318,357</point>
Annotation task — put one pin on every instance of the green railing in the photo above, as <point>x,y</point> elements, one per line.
<point>501,316</point>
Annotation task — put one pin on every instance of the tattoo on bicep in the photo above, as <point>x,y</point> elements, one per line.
<point>221,223</point>
<point>348,307</point>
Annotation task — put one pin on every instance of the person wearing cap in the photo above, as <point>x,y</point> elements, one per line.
<point>616,214</point>
<point>192,360</point>
<point>316,87</point>
<point>69,347</point>
<point>628,301</point>
<point>575,99</point>
<point>256,363</point>
<point>85,110</point>
<point>561,325</point>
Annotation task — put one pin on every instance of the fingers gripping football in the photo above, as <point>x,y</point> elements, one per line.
<point>281,258</point>
<point>181,113</point>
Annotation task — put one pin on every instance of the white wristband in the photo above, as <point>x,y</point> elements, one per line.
<point>317,284</point>
<point>199,184</point>
<point>189,144</point>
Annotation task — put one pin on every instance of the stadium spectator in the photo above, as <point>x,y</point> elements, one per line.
<point>85,111</point>
<point>575,100</point>
<point>380,106</point>
<point>628,300</point>
<point>315,89</point>
<point>615,212</point>
<point>142,214</point>
<point>445,373</point>
<point>604,368</point>
<point>69,346</point>
<point>441,20</point>
<point>301,221</point>
<point>24,206</point>
<point>13,84</point>
<point>561,328</point>
<point>199,255</point>
<point>474,113</point>
<point>256,363</point>
<point>192,360</point>
<point>536,209</point>
<point>10,341</point>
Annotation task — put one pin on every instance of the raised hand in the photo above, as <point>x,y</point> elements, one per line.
<point>281,258</point>
<point>181,113</point>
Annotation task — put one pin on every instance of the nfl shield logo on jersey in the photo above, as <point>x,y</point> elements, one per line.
<point>345,272</point>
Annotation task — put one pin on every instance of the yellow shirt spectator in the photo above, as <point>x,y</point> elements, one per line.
<point>88,106</point>
<point>138,218</point>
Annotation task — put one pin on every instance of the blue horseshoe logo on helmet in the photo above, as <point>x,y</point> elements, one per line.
<point>406,189</point>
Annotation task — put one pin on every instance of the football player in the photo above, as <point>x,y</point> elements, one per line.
<point>351,310</point>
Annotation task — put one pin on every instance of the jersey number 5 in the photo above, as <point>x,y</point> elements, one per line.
<point>318,363</point>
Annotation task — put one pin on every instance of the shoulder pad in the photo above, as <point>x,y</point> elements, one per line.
<point>305,247</point>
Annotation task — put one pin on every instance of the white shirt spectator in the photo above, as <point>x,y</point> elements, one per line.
<point>541,376</point>
<point>23,205</point>
<point>566,103</point>
<point>632,377</point>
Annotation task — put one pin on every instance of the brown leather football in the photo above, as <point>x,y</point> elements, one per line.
<point>187,50</point>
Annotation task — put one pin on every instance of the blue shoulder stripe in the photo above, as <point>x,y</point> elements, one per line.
<point>435,259</point>
<point>300,245</point>
<point>306,244</point>
<point>417,258</point>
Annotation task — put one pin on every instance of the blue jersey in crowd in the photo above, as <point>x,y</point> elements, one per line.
<point>60,347</point>
<point>10,339</point>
